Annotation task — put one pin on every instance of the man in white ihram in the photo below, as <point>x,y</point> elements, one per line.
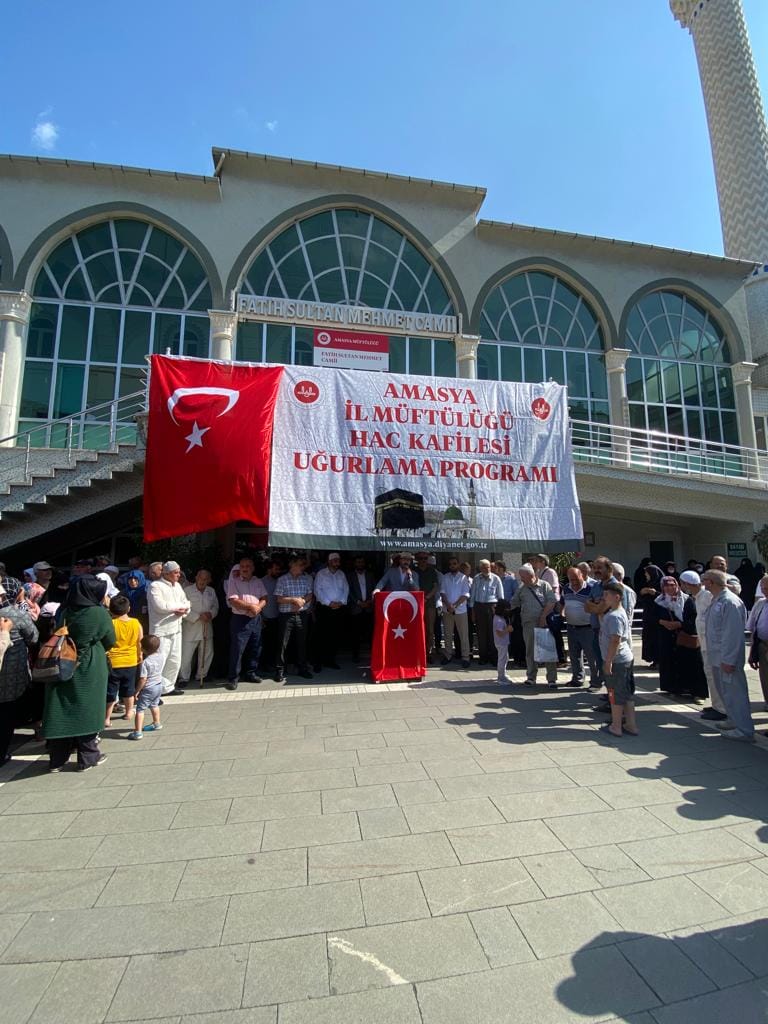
<point>168,606</point>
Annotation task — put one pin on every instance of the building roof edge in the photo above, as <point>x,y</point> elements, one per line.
<point>45,161</point>
<point>650,246</point>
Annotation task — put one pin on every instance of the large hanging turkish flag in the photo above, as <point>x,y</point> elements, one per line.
<point>209,444</point>
<point>397,651</point>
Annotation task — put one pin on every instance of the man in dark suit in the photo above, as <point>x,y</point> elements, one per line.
<point>400,576</point>
<point>360,604</point>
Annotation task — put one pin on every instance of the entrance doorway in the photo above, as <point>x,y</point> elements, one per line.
<point>661,552</point>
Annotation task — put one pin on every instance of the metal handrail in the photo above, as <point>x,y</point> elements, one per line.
<point>82,414</point>
<point>670,454</point>
<point>103,426</point>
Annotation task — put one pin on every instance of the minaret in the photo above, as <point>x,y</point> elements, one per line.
<point>472,505</point>
<point>739,138</point>
<point>736,118</point>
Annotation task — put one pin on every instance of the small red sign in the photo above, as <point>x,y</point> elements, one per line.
<point>306,391</point>
<point>351,341</point>
<point>541,409</point>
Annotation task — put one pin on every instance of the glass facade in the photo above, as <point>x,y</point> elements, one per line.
<point>535,327</point>
<point>350,257</point>
<point>104,299</point>
<point>679,379</point>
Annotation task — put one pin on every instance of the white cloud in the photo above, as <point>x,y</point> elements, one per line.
<point>45,134</point>
<point>271,126</point>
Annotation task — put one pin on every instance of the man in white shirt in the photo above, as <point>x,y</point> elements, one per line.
<point>168,606</point>
<point>455,594</point>
<point>197,629</point>
<point>331,591</point>
<point>246,597</point>
<point>690,583</point>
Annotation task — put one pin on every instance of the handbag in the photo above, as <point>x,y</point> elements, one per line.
<point>685,640</point>
<point>57,659</point>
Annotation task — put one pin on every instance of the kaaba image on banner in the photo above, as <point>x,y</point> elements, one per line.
<point>399,509</point>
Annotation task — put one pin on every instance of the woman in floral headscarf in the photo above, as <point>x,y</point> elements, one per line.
<point>14,672</point>
<point>681,668</point>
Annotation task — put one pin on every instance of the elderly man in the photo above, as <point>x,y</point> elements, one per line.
<point>486,590</point>
<point>455,595</point>
<point>331,595</point>
<point>726,622</point>
<point>545,572</point>
<point>576,593</point>
<point>535,599</point>
<point>197,628</point>
<point>246,597</point>
<point>293,592</point>
<point>154,571</point>
<point>690,583</point>
<point>168,606</point>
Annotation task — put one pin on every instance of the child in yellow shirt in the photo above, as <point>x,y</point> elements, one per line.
<point>124,658</point>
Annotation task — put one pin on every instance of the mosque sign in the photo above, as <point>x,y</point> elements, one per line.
<point>365,460</point>
<point>333,315</point>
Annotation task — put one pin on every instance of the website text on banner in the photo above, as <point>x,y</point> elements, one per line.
<point>376,460</point>
<point>397,648</point>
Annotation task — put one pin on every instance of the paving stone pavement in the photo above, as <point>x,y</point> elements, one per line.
<point>431,854</point>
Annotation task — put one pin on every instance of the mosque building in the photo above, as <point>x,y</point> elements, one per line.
<point>664,351</point>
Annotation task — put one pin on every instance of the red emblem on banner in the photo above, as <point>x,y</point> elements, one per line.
<point>306,391</point>
<point>541,409</point>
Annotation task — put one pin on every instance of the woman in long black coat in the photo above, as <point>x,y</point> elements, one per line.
<point>14,671</point>
<point>681,668</point>
<point>648,587</point>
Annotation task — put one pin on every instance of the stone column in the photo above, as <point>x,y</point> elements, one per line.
<point>223,332</point>
<point>618,407</point>
<point>15,308</point>
<point>742,391</point>
<point>466,354</point>
<point>616,367</point>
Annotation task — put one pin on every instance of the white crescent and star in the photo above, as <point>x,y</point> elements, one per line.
<point>400,595</point>
<point>195,438</point>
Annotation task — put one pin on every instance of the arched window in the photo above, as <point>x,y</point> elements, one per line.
<point>539,328</point>
<point>679,378</point>
<point>106,297</point>
<point>354,258</point>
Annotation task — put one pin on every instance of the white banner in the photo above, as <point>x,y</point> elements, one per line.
<point>379,460</point>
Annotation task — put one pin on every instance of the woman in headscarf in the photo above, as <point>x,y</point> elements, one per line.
<point>32,594</point>
<point>74,710</point>
<point>14,672</point>
<point>681,669</point>
<point>648,586</point>
<point>749,577</point>
<point>136,592</point>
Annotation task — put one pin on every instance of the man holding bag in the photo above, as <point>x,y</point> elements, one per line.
<point>535,599</point>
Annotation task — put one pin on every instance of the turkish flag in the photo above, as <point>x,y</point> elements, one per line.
<point>397,651</point>
<point>209,445</point>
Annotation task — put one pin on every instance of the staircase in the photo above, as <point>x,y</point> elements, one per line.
<point>65,470</point>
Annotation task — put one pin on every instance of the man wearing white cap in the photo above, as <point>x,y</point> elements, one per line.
<point>331,595</point>
<point>690,583</point>
<point>167,605</point>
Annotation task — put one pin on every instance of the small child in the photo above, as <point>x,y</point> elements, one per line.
<point>501,631</point>
<point>124,658</point>
<point>150,689</point>
<point>615,646</point>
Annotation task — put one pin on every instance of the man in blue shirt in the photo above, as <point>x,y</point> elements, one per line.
<point>576,593</point>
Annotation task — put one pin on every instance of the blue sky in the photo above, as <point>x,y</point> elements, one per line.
<point>584,116</point>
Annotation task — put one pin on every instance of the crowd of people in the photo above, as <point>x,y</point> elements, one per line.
<point>149,632</point>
